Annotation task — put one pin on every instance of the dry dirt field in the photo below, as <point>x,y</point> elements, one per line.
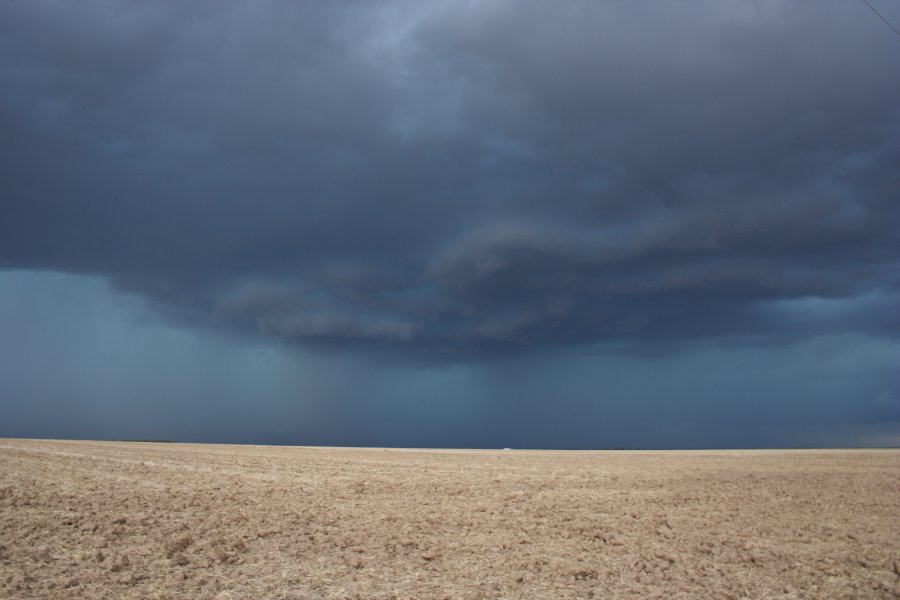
<point>140,520</point>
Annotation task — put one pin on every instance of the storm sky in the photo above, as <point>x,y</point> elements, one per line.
<point>451,223</point>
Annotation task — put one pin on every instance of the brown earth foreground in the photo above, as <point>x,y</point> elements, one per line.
<point>142,520</point>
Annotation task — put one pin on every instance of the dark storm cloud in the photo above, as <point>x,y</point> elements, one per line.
<point>78,359</point>
<point>461,179</point>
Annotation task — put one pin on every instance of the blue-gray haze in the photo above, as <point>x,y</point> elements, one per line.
<point>431,223</point>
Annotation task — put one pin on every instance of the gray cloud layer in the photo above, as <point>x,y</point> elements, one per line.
<point>454,180</point>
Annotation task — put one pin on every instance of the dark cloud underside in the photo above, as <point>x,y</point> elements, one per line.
<point>458,179</point>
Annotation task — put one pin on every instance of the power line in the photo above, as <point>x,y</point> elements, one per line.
<point>880,16</point>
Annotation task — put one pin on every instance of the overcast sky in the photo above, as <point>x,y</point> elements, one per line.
<point>451,223</point>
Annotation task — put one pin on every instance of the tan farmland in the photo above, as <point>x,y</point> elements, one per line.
<point>139,520</point>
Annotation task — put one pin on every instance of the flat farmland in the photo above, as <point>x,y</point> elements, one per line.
<point>171,521</point>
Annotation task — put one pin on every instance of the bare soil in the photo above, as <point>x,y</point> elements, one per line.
<point>167,521</point>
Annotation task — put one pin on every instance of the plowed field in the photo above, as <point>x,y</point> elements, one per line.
<point>140,520</point>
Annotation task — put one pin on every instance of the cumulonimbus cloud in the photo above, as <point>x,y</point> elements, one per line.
<point>496,178</point>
